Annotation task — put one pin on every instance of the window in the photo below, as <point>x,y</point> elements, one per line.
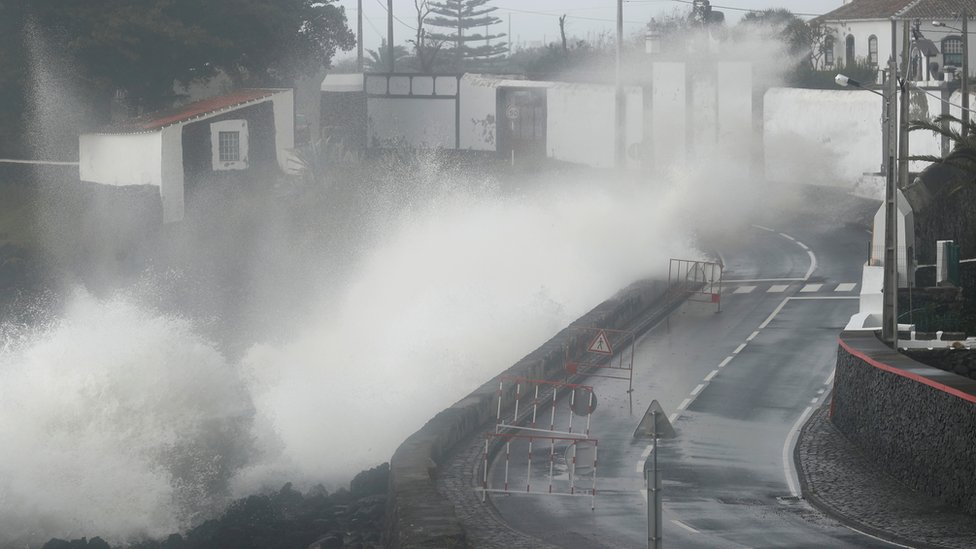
<point>849,58</point>
<point>829,51</point>
<point>952,51</point>
<point>228,142</point>
<point>229,146</point>
<point>873,50</point>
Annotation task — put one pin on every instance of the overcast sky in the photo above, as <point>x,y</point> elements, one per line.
<point>535,20</point>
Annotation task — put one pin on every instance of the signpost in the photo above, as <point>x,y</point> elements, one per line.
<point>654,425</point>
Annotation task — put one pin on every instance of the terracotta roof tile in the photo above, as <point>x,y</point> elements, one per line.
<point>193,110</point>
<point>902,9</point>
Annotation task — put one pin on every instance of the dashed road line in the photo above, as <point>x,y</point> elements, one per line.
<point>697,389</point>
<point>777,288</point>
<point>724,362</point>
<point>845,287</point>
<point>684,404</point>
<point>813,265</point>
<point>766,228</point>
<point>811,288</point>
<point>744,289</point>
<point>711,375</point>
<point>741,280</point>
<point>802,245</point>
<point>788,237</point>
<point>680,524</point>
<point>739,348</point>
<point>752,335</point>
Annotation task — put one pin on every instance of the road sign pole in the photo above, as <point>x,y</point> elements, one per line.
<point>654,526</point>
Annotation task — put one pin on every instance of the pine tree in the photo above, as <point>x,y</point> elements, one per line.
<point>465,18</point>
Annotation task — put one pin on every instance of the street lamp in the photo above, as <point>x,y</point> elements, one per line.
<point>964,89</point>
<point>889,307</point>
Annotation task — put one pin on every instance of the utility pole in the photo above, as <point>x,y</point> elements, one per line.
<point>889,308</point>
<point>965,71</point>
<point>389,34</point>
<point>620,136</point>
<point>359,35</point>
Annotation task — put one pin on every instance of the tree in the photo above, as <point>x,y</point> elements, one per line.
<point>461,16</point>
<point>962,155</point>
<point>144,46</point>
<point>378,59</point>
<point>425,47</point>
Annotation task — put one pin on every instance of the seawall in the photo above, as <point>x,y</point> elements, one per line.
<point>918,422</point>
<point>417,514</point>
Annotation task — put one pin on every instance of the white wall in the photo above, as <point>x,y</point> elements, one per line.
<point>478,117</point>
<point>171,190</point>
<point>668,101</point>
<point>830,136</point>
<point>132,159</point>
<point>580,124</point>
<point>283,103</point>
<point>734,126</point>
<point>420,123</point>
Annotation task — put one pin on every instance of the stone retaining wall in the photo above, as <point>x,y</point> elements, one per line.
<point>420,517</point>
<point>917,422</point>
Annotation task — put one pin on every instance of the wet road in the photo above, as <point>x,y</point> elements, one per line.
<point>738,385</point>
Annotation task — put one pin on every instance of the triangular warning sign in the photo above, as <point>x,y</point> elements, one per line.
<point>601,344</point>
<point>655,423</point>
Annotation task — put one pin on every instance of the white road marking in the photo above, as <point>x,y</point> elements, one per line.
<point>698,389</point>
<point>811,288</point>
<point>724,362</point>
<point>777,288</point>
<point>845,287</point>
<point>814,400</point>
<point>739,348</point>
<point>737,280</point>
<point>774,313</point>
<point>752,335</point>
<point>684,404</point>
<point>791,476</point>
<point>744,289</point>
<point>877,538</point>
<point>821,391</point>
<point>685,526</point>
<point>830,379</point>
<point>673,417</point>
<point>711,375</point>
<point>784,235</point>
<point>827,297</point>
<point>802,245</point>
<point>813,265</point>
<point>764,228</point>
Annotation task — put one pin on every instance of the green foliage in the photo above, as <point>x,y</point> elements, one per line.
<point>459,16</point>
<point>805,76</point>
<point>144,46</point>
<point>378,60</point>
<point>963,152</point>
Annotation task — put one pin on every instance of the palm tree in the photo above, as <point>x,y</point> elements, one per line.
<point>377,60</point>
<point>962,155</point>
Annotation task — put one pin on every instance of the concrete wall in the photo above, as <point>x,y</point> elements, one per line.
<point>918,422</point>
<point>117,160</point>
<point>417,515</point>
<point>580,125</point>
<point>668,104</point>
<point>833,136</point>
<point>478,117</point>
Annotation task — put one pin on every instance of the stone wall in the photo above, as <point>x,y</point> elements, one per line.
<point>420,517</point>
<point>918,422</point>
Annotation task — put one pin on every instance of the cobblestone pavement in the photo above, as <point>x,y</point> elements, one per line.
<point>839,479</point>
<point>482,524</point>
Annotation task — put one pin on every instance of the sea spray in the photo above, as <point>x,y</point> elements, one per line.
<point>115,421</point>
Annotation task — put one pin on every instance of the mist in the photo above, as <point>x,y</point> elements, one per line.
<point>143,405</point>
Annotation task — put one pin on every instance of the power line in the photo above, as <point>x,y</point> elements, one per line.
<point>395,18</point>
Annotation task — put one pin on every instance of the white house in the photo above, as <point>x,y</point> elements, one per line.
<point>248,133</point>
<point>862,34</point>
